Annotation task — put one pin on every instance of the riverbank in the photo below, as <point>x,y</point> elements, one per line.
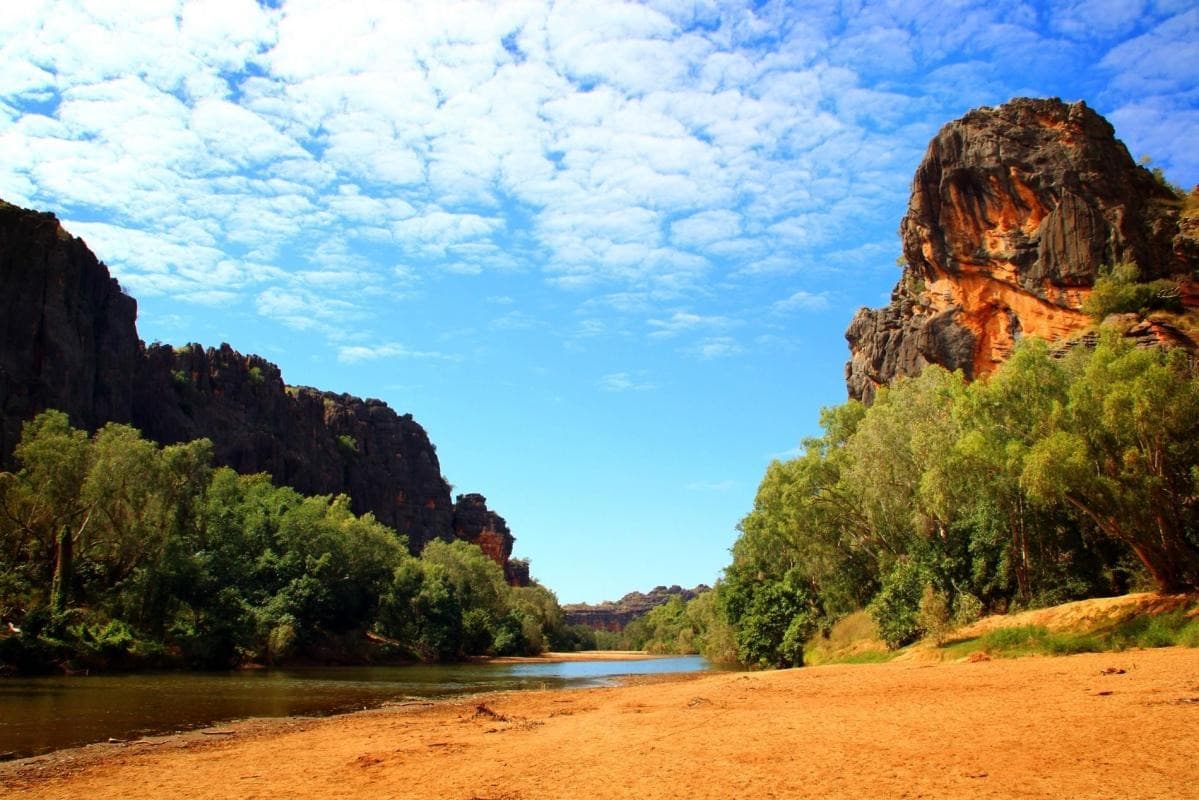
<point>1113,725</point>
<point>553,657</point>
<point>1110,725</point>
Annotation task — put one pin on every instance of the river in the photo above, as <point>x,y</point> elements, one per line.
<point>38,715</point>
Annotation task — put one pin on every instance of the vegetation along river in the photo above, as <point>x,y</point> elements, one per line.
<point>38,715</point>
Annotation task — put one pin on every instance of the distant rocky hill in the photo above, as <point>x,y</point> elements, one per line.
<point>1013,212</point>
<point>69,341</point>
<point>615,615</point>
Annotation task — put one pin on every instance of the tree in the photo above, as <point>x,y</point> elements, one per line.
<point>43,512</point>
<point>772,619</point>
<point>1125,454</point>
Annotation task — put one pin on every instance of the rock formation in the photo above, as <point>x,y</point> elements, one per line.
<point>1013,212</point>
<point>68,341</point>
<point>67,335</point>
<point>475,522</point>
<point>316,442</point>
<point>614,616</point>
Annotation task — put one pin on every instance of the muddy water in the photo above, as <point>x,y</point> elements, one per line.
<point>38,715</point>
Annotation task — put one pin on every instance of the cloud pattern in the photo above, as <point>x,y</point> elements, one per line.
<point>656,160</point>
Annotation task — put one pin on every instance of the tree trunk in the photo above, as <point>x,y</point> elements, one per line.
<point>64,567</point>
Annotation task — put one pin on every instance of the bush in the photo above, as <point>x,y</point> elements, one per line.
<point>478,631</point>
<point>771,619</point>
<point>896,607</point>
<point>967,609</point>
<point>1118,290</point>
<point>933,615</point>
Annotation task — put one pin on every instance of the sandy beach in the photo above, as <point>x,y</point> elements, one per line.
<point>1109,725</point>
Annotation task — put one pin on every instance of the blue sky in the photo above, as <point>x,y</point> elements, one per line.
<point>605,253</point>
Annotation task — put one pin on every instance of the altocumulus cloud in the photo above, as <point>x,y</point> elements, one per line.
<point>353,354</point>
<point>628,154</point>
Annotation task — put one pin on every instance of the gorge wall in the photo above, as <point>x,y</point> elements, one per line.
<point>68,341</point>
<point>1013,211</point>
<point>615,615</point>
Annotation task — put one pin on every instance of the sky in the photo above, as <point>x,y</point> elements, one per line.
<point>605,253</point>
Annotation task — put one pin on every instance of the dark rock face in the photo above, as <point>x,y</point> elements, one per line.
<point>68,341</point>
<point>474,522</point>
<point>1013,212</point>
<point>67,335</point>
<point>316,442</point>
<point>614,616</point>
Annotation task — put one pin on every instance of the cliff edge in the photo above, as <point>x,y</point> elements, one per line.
<point>69,341</point>
<point>1014,211</point>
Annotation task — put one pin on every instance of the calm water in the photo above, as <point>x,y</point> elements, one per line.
<point>42,714</point>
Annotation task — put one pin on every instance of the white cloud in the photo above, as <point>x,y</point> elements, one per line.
<point>635,155</point>
<point>625,382</point>
<point>240,136</point>
<point>515,321</point>
<point>682,321</point>
<point>716,347</point>
<point>354,354</point>
<point>1092,19</point>
<point>706,227</point>
<point>304,309</point>
<point>802,301</point>
<point>1139,66</point>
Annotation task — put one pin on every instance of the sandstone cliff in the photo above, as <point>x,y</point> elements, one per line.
<point>67,335</point>
<point>1013,212</point>
<point>475,522</point>
<point>615,615</point>
<point>68,340</point>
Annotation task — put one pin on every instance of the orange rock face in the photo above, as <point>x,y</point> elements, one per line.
<point>1013,212</point>
<point>474,522</point>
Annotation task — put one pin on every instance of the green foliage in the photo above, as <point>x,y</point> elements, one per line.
<point>933,617</point>
<point>896,607</point>
<point>853,639</point>
<point>159,559</point>
<point>1179,628</point>
<point>1119,290</point>
<point>1048,481</point>
<point>771,619</point>
<point>967,609</point>
<point>1036,639</point>
<point>256,375</point>
<point>678,627</point>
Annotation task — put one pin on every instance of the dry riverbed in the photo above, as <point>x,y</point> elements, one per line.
<point>1107,725</point>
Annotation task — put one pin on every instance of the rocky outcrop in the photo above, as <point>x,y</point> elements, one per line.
<point>474,522</point>
<point>68,340</point>
<point>316,442</point>
<point>615,615</point>
<point>1013,212</point>
<point>67,335</point>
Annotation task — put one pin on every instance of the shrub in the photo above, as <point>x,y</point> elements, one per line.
<point>896,607</point>
<point>933,615</point>
<point>771,619</point>
<point>1118,290</point>
<point>478,631</point>
<point>967,609</point>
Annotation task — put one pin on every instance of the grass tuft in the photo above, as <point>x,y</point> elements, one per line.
<point>1173,629</point>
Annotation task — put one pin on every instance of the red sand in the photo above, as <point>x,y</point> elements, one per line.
<point>1109,725</point>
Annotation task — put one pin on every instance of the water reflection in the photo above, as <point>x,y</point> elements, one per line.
<point>42,714</point>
